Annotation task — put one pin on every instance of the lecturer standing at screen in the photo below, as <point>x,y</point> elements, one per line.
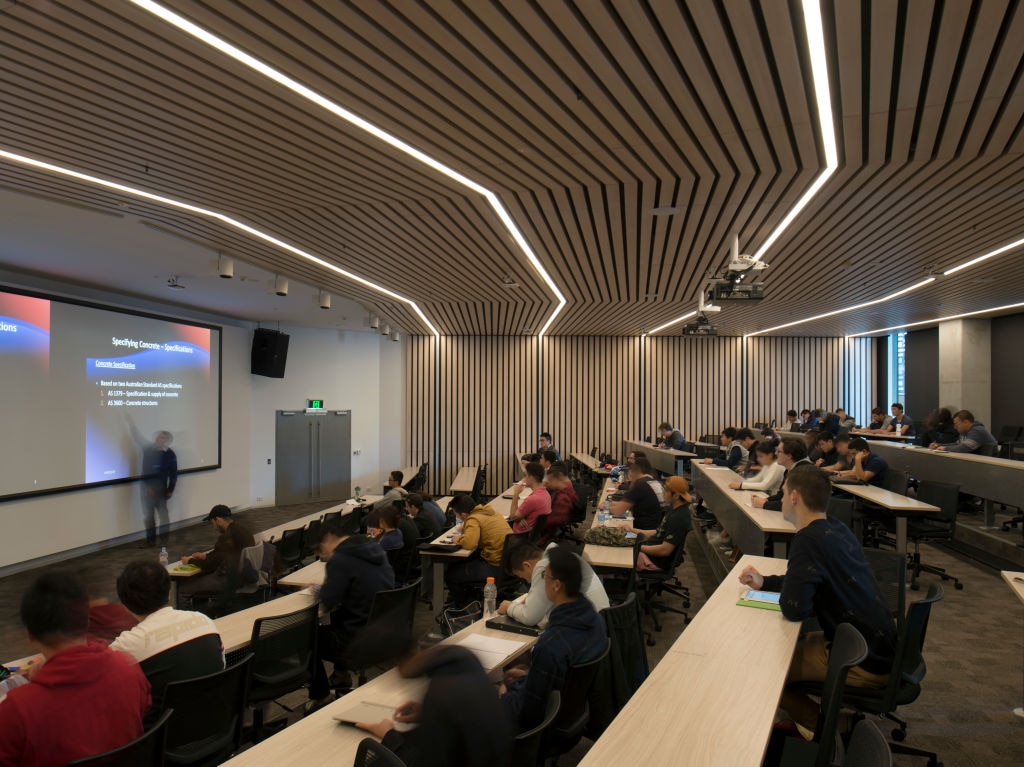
<point>160,475</point>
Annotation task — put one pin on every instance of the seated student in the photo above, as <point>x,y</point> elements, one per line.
<point>808,419</point>
<point>747,440</point>
<point>937,429</point>
<point>622,471</point>
<point>770,477</point>
<point>483,532</point>
<point>844,420</point>
<point>879,423</point>
<point>900,423</point>
<point>106,619</point>
<point>220,566</point>
<point>563,498</point>
<point>545,442</point>
<point>397,534</point>
<point>528,562</point>
<point>843,460</point>
<point>670,437</point>
<point>644,497</point>
<point>428,517</point>
<point>170,645</point>
<point>357,568</point>
<point>460,721</point>
<point>537,505</point>
<point>734,454</point>
<point>659,548</point>
<point>395,491</point>
<point>792,452</point>
<point>867,466</point>
<point>792,421</point>
<point>827,578</point>
<point>84,699</point>
<point>825,453</point>
<point>973,436</point>
<point>575,634</point>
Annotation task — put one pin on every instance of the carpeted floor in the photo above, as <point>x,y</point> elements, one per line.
<point>974,647</point>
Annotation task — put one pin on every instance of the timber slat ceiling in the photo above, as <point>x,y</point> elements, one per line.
<point>581,116</point>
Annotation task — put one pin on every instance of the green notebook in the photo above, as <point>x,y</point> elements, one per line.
<point>763,600</point>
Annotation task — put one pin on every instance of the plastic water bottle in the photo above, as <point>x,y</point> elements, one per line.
<point>490,599</point>
<point>163,556</point>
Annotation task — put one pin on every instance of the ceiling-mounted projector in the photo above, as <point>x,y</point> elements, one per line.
<point>702,327</point>
<point>727,290</point>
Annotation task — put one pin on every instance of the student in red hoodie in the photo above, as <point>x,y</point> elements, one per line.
<point>84,700</point>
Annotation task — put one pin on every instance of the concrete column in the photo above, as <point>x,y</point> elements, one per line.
<point>965,367</point>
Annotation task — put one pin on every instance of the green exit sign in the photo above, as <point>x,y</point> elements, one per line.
<point>315,404</point>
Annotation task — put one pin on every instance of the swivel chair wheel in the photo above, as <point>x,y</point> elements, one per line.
<point>958,586</point>
<point>898,735</point>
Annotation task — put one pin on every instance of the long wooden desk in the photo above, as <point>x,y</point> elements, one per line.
<point>901,507</point>
<point>305,576</point>
<point>236,629</point>
<point>996,480</point>
<point>712,698</point>
<point>272,534</point>
<point>665,460</point>
<point>465,480</point>
<point>319,739</point>
<point>591,464</point>
<point>1015,581</point>
<point>620,557</point>
<point>749,527</point>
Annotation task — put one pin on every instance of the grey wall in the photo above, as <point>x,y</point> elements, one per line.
<point>1007,372</point>
<point>922,373</point>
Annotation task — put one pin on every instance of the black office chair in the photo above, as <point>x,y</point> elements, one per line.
<point>257,576</point>
<point>207,725</point>
<point>526,746</point>
<point>574,713</point>
<point>868,747</point>
<point>848,649</point>
<point>506,582</point>
<point>842,509</point>
<point>890,571</point>
<point>371,753</point>
<point>289,549</point>
<point>391,618</point>
<point>311,537</point>
<point>653,584</point>
<point>895,480</point>
<point>905,679</point>
<point>617,680</point>
<point>147,749</point>
<point>1006,437</point>
<point>284,650</point>
<point>479,484</point>
<point>934,527</point>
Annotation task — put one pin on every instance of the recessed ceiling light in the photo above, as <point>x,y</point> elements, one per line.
<point>664,210</point>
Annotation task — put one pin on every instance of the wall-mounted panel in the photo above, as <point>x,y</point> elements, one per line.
<point>693,383</point>
<point>591,392</point>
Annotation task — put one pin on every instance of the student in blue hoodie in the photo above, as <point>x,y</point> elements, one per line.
<point>575,634</point>
<point>357,568</point>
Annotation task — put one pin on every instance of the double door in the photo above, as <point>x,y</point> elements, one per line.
<point>313,456</point>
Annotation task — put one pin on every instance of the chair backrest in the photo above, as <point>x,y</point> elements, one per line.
<point>284,647</point>
<point>895,480</point>
<point>479,483</point>
<point>195,657</point>
<point>506,580</point>
<point>207,724</point>
<point>628,667</point>
<point>868,747</point>
<point>146,749</point>
<point>890,571</point>
<point>374,754</point>
<point>311,537</point>
<point>989,449</point>
<point>289,548</point>
<point>942,494</point>
<point>848,649</point>
<point>527,744</point>
<point>574,711</point>
<point>394,610</point>
<point>841,509</point>
<point>256,567</point>
<point>331,515</point>
<point>909,667</point>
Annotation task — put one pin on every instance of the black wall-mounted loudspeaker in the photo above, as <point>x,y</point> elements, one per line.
<point>269,353</point>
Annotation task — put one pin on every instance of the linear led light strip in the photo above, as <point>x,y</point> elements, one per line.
<point>819,71</point>
<point>219,217</point>
<point>1007,307</point>
<point>267,71</point>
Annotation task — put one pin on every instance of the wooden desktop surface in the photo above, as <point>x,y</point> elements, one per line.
<point>712,698</point>
<point>319,739</point>
<point>608,556</point>
<point>901,506</point>
<point>464,480</point>
<point>236,629</point>
<point>663,459</point>
<point>767,521</point>
<point>272,534</point>
<point>1015,580</point>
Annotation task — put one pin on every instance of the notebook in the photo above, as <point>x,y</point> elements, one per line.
<point>764,600</point>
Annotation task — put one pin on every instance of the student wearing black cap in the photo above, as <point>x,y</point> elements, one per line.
<point>220,566</point>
